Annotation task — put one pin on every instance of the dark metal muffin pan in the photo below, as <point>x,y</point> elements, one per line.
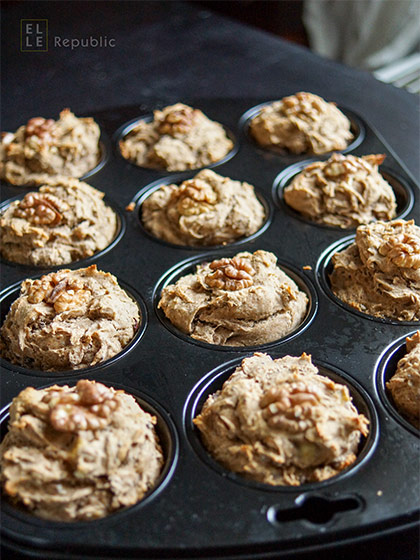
<point>200,510</point>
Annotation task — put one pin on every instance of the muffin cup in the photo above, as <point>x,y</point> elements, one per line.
<point>142,195</point>
<point>403,193</point>
<point>214,381</point>
<point>387,366</point>
<point>325,267</point>
<point>10,294</point>
<point>168,439</point>
<point>357,128</point>
<point>189,266</point>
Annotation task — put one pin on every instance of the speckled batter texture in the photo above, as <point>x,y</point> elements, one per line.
<point>43,148</point>
<point>70,319</point>
<point>379,274</point>
<point>78,453</point>
<point>206,210</point>
<point>178,138</point>
<point>281,423</point>
<point>404,385</point>
<point>66,220</point>
<point>246,300</point>
<point>344,191</point>
<point>302,123</point>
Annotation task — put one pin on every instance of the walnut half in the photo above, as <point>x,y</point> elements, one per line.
<point>88,406</point>
<point>230,274</point>
<point>402,249</point>
<point>58,290</point>
<point>193,197</point>
<point>39,209</point>
<point>289,407</point>
<point>43,128</point>
<point>179,120</point>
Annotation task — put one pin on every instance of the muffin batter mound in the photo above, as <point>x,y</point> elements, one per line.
<point>178,138</point>
<point>70,319</point>
<point>242,301</point>
<point>78,453</point>
<point>379,274</point>
<point>301,123</point>
<point>344,191</point>
<point>206,210</point>
<point>281,423</point>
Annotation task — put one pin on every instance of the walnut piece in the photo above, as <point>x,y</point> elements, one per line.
<point>303,103</point>
<point>194,197</point>
<point>289,408</point>
<point>87,406</point>
<point>39,209</point>
<point>38,126</point>
<point>62,292</point>
<point>178,121</point>
<point>230,274</point>
<point>402,249</point>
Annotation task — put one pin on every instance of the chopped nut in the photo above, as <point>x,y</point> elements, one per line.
<point>39,209</point>
<point>307,267</point>
<point>178,121</point>
<point>130,207</point>
<point>194,197</point>
<point>230,274</point>
<point>289,408</point>
<point>62,292</point>
<point>38,126</point>
<point>88,406</point>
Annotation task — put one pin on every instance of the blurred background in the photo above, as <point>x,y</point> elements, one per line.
<point>382,36</point>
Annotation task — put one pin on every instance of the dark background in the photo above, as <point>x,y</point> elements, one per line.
<point>174,49</point>
<point>171,50</point>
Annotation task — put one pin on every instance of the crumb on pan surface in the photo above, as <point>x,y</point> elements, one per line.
<point>240,301</point>
<point>43,148</point>
<point>178,138</point>
<point>404,385</point>
<point>70,319</point>
<point>344,191</point>
<point>379,274</point>
<point>302,123</point>
<point>78,453</point>
<point>282,423</point>
<point>206,210</point>
<point>64,221</point>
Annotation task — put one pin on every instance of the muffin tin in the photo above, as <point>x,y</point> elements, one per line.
<point>198,508</point>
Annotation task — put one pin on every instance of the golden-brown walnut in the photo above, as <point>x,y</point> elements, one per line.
<point>230,274</point>
<point>38,126</point>
<point>194,197</point>
<point>178,121</point>
<point>403,250</point>
<point>60,292</point>
<point>39,209</point>
<point>87,406</point>
<point>289,408</point>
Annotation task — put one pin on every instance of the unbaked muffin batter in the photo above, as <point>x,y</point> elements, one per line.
<point>281,423</point>
<point>240,301</point>
<point>178,138</point>
<point>302,123</point>
<point>78,453</point>
<point>379,274</point>
<point>344,191</point>
<point>206,210</point>
<point>404,385</point>
<point>70,319</point>
<point>43,148</point>
<point>66,220</point>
